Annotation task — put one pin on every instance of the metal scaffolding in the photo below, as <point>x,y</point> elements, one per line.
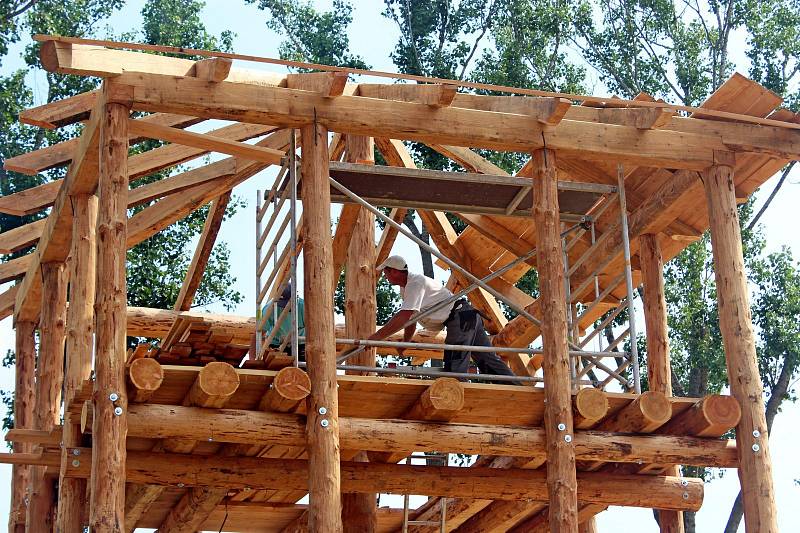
<point>611,361</point>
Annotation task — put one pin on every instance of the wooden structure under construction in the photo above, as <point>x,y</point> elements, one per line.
<point>192,434</point>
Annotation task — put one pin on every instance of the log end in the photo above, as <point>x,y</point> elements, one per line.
<point>445,394</point>
<point>655,408</point>
<point>145,376</point>
<point>590,404</point>
<point>292,383</point>
<point>721,411</point>
<point>215,383</point>
<point>87,416</point>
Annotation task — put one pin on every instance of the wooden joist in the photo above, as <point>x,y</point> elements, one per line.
<point>21,237</point>
<point>241,472</point>
<point>215,69</point>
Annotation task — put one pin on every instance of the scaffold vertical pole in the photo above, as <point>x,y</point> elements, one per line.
<point>626,248</point>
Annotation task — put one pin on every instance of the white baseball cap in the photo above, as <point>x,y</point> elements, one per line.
<point>394,261</point>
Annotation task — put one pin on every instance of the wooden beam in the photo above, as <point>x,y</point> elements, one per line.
<point>558,412</point>
<point>49,380</point>
<point>468,159</point>
<point>7,300</point>
<point>80,332</point>
<point>61,112</point>
<point>437,95</point>
<point>438,125</point>
<point>643,118</point>
<point>206,142</point>
<point>194,274</point>
<point>32,163</point>
<point>54,244</point>
<point>253,427</point>
<point>21,237</point>
<point>24,399</point>
<point>710,417</point>
<point>241,472</point>
<point>16,268</point>
<point>215,69</point>
<point>110,425</point>
<point>389,235</point>
<point>84,60</point>
<point>659,369</point>
<point>549,110</point>
<point>288,390</point>
<point>329,84</point>
<point>322,406</point>
<point>755,464</point>
<point>359,511</point>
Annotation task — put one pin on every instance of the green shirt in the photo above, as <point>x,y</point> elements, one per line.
<point>286,326</point>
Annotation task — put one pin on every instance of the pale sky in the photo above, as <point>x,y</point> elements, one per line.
<point>373,36</point>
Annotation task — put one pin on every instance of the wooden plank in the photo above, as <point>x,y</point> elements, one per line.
<point>194,274</point>
<point>323,440</point>
<point>457,126</point>
<point>558,413</point>
<point>755,467</point>
<point>18,238</point>
<point>243,472</point>
<point>549,110</point>
<point>109,428</point>
<point>206,142</point>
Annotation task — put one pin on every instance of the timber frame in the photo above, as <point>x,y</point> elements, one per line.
<point>209,429</point>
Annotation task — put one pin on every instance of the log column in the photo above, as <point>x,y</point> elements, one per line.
<point>755,465</point>
<point>80,329</point>
<point>109,428</point>
<point>25,363</point>
<point>49,379</point>
<point>659,370</point>
<point>322,430</point>
<point>561,482</point>
<point>359,511</point>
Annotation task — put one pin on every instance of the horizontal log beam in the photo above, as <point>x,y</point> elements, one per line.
<point>257,473</point>
<point>253,427</point>
<point>437,125</point>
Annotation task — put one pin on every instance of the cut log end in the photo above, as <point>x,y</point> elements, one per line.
<point>87,416</point>
<point>145,377</point>
<point>655,408</point>
<point>589,406</point>
<point>215,383</point>
<point>292,383</point>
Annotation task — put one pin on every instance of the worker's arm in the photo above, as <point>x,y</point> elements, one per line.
<point>394,325</point>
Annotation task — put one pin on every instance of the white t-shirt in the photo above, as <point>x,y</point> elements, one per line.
<point>421,293</point>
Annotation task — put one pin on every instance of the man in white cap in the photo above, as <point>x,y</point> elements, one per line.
<point>463,322</point>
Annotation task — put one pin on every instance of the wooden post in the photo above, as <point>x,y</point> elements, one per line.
<point>80,329</point>
<point>659,370</point>
<point>561,481</point>
<point>109,428</point>
<point>49,379</point>
<point>359,511</point>
<point>25,353</point>
<point>322,429</point>
<point>755,466</point>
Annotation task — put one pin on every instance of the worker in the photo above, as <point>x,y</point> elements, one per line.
<point>284,331</point>
<point>463,322</point>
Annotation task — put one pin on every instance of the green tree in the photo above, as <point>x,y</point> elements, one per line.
<point>682,51</point>
<point>157,266</point>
